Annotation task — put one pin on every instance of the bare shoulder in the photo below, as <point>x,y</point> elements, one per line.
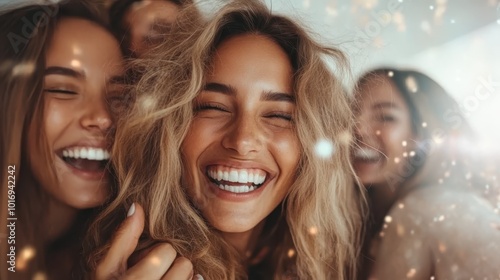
<point>454,232</point>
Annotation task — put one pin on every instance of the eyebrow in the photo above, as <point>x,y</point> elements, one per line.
<point>57,70</point>
<point>267,96</point>
<point>382,105</point>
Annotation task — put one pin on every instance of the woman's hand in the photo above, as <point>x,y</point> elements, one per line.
<point>161,262</point>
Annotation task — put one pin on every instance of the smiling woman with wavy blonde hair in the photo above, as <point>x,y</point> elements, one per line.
<point>311,229</point>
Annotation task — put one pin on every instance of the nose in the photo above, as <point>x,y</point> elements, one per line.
<point>96,116</point>
<point>245,136</point>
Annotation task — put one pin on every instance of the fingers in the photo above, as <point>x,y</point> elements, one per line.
<point>182,268</point>
<point>123,245</point>
<point>154,264</point>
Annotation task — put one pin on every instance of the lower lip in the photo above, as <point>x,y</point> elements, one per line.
<point>235,197</point>
<point>87,175</point>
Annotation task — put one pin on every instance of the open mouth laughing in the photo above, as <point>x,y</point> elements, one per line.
<point>367,154</point>
<point>236,180</point>
<point>86,159</point>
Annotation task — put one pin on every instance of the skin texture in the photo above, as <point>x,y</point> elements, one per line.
<point>455,236</point>
<point>75,112</point>
<point>140,18</point>
<point>238,125</point>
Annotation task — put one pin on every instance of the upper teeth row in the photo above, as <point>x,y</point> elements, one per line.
<point>237,176</point>
<point>366,153</point>
<point>86,153</point>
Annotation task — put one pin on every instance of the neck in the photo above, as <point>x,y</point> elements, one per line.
<point>382,197</point>
<point>244,242</point>
<point>58,220</point>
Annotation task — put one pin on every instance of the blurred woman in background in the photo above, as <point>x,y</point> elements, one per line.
<point>141,24</point>
<point>429,218</point>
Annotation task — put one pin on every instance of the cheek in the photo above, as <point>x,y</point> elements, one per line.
<point>287,152</point>
<point>56,118</point>
<point>195,142</point>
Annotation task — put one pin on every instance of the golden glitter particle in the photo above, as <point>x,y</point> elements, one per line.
<point>411,273</point>
<point>404,143</point>
<point>147,102</point>
<point>291,253</point>
<point>26,254</point>
<point>377,132</point>
<point>411,84</point>
<point>424,124</point>
<point>396,160</point>
<point>405,154</point>
<point>400,230</point>
<point>381,234</point>
<point>468,176</point>
<point>401,205</point>
<point>433,278</point>
<point>441,218</point>
<point>313,230</point>
<point>390,74</point>
<point>440,181</point>
<point>385,226</point>
<point>447,174</point>
<point>23,69</point>
<point>388,219</point>
<point>453,162</point>
<point>40,276</point>
<point>345,138</point>
<point>412,153</point>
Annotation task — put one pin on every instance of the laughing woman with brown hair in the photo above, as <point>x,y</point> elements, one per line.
<point>54,82</point>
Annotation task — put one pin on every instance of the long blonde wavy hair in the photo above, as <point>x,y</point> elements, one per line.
<point>321,218</point>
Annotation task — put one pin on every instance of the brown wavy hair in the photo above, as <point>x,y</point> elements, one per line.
<point>22,66</point>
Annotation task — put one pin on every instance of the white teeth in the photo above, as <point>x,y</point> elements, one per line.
<point>366,153</point>
<point>233,176</point>
<point>83,153</point>
<point>241,176</point>
<point>91,154</point>
<point>86,153</point>
<point>237,189</point>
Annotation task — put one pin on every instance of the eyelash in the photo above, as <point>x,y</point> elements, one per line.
<point>207,106</point>
<point>284,116</point>
<point>387,118</point>
<point>61,91</point>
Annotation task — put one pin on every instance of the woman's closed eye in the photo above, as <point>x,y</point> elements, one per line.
<point>211,110</point>
<point>60,90</point>
<point>386,118</point>
<point>279,119</point>
<point>280,115</point>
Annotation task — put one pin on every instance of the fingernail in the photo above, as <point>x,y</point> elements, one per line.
<point>131,210</point>
<point>198,277</point>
